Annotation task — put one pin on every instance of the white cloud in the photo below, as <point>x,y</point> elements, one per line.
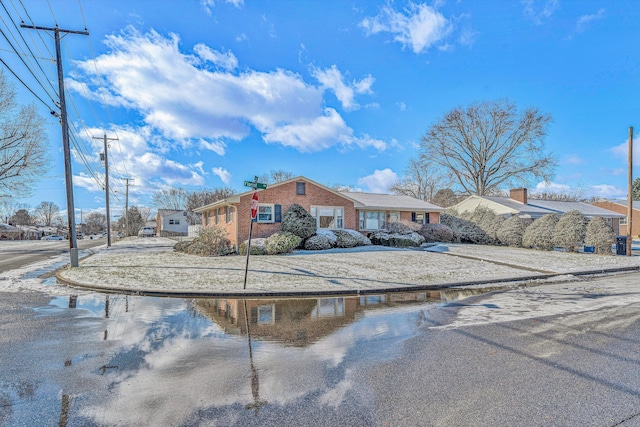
<point>606,191</point>
<point>227,61</point>
<point>622,151</point>
<point>189,105</point>
<point>539,10</point>
<point>419,26</point>
<point>584,21</point>
<point>223,174</point>
<point>574,160</point>
<point>320,133</point>
<point>553,187</point>
<point>332,78</point>
<point>379,181</point>
<point>208,4</point>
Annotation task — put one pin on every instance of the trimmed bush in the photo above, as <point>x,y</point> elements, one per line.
<point>361,239</point>
<point>330,235</point>
<point>511,231</point>
<point>299,222</point>
<point>487,220</point>
<point>317,243</point>
<point>436,233</point>
<point>397,240</point>
<point>569,232</point>
<point>257,247</point>
<point>465,231</point>
<point>281,243</point>
<point>539,234</point>
<point>402,226</point>
<point>600,235</point>
<point>345,239</point>
<point>211,241</point>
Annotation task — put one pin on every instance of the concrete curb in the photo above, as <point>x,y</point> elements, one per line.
<point>178,293</point>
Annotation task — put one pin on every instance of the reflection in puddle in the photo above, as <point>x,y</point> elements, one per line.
<point>132,360</point>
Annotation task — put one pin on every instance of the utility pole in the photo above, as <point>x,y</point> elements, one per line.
<point>73,244</point>
<point>126,209</point>
<point>630,195</point>
<point>106,183</point>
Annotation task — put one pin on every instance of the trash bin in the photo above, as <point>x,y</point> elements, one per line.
<point>621,245</point>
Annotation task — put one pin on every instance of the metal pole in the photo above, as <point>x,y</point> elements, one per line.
<point>246,267</point>
<point>106,184</point>
<point>630,195</point>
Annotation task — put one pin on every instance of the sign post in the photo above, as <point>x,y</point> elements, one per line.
<point>255,185</point>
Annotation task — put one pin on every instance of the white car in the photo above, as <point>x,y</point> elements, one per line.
<point>53,237</point>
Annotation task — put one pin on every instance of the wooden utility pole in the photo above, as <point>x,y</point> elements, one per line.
<point>106,183</point>
<point>126,207</point>
<point>630,195</point>
<point>73,244</point>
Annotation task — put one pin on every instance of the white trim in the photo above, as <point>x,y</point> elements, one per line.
<point>273,213</point>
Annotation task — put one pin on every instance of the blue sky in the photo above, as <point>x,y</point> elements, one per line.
<point>209,93</point>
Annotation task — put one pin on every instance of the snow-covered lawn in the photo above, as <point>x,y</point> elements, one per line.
<point>149,264</point>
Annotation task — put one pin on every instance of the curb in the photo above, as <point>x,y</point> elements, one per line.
<point>177,293</point>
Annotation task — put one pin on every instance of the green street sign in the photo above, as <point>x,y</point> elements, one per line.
<point>256,185</point>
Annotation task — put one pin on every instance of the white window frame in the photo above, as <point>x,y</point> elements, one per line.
<point>338,216</point>
<point>362,220</point>
<point>271,219</point>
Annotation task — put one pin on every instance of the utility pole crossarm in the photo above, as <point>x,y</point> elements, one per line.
<point>55,29</point>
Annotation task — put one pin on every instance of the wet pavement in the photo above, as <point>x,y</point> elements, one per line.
<point>96,359</point>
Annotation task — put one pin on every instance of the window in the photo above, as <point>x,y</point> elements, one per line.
<point>171,222</point>
<point>374,220</point>
<point>266,313</point>
<point>226,214</point>
<point>265,213</point>
<point>176,222</point>
<point>231,209</point>
<point>300,188</point>
<point>328,307</point>
<point>394,216</point>
<point>420,217</point>
<point>330,217</point>
<point>623,221</point>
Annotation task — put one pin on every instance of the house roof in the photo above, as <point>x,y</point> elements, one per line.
<point>365,200</point>
<point>585,208</point>
<point>9,228</point>
<point>390,201</point>
<point>634,205</point>
<point>517,206</point>
<point>536,207</point>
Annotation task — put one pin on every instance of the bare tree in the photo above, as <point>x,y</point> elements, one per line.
<point>275,176</point>
<point>489,144</point>
<point>135,218</point>
<point>23,147</point>
<point>96,222</point>
<point>46,213</point>
<point>445,198</point>
<point>172,198</point>
<point>203,197</point>
<point>422,179</point>
<point>9,206</point>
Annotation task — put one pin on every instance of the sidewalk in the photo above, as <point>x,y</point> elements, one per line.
<point>148,266</point>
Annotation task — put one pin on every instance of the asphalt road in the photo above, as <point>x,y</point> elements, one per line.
<point>97,360</point>
<point>17,256</point>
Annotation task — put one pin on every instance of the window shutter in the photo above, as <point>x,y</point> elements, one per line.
<point>277,214</point>
<point>426,218</point>
<point>413,217</point>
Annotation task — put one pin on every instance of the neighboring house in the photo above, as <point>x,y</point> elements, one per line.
<point>332,209</point>
<point>171,222</point>
<point>518,203</point>
<point>621,207</point>
<point>9,232</point>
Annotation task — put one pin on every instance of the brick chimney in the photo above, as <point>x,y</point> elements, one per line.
<point>518,194</point>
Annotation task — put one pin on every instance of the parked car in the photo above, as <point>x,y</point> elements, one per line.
<point>53,237</point>
<point>147,232</point>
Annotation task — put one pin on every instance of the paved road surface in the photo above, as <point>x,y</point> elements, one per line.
<point>13,255</point>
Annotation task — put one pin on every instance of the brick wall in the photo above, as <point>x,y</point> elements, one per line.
<point>285,195</point>
<point>621,209</point>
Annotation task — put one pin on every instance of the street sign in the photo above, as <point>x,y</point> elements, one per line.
<point>254,205</point>
<point>255,185</point>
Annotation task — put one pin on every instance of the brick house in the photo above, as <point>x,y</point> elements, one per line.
<point>332,209</point>
<point>620,206</point>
